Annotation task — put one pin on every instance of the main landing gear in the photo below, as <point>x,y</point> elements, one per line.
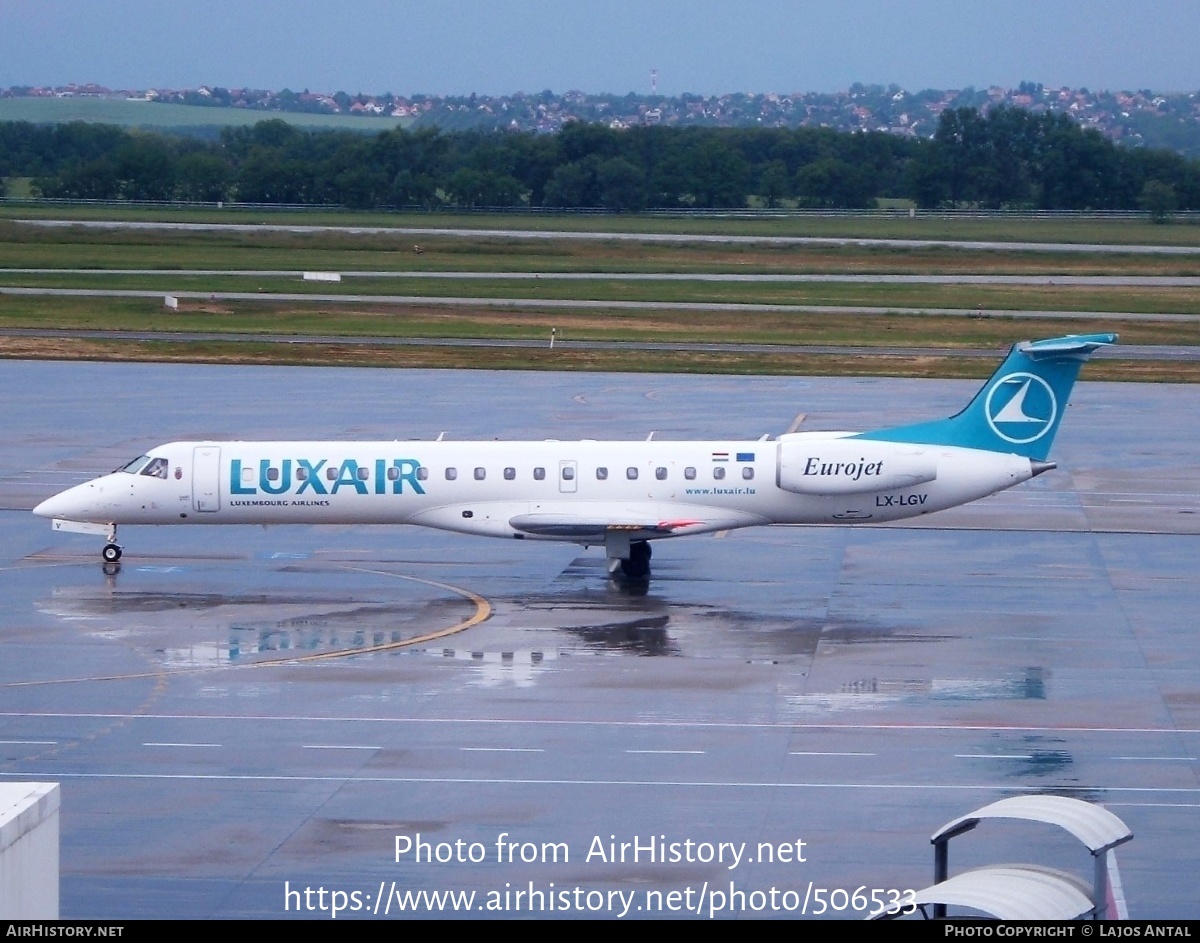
<point>634,567</point>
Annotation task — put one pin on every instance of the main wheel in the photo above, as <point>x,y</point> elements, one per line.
<point>637,567</point>
<point>111,553</point>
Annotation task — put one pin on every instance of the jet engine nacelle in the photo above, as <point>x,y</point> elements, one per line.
<point>851,466</point>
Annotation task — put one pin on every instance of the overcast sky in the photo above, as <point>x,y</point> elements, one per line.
<point>504,46</point>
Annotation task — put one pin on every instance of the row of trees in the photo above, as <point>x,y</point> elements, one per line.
<point>1004,158</point>
<point>1013,157</point>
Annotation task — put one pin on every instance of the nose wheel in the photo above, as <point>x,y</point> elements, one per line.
<point>112,550</point>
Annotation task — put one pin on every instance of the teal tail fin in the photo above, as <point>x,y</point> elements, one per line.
<point>1019,408</point>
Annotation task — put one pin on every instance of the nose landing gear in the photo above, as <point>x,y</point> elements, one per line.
<point>112,550</point>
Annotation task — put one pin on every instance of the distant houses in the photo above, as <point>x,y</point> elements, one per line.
<point>1130,116</point>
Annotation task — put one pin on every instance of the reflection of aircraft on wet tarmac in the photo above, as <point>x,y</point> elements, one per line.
<point>619,495</point>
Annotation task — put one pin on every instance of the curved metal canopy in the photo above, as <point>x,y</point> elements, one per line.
<point>1096,827</point>
<point>1008,892</point>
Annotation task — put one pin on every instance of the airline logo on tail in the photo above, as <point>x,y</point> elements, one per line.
<point>1021,408</point>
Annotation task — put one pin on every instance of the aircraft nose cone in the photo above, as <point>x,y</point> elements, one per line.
<point>49,507</point>
<point>71,504</point>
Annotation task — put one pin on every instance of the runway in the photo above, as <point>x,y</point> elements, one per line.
<point>538,234</point>
<point>1163,352</point>
<point>1086,281</point>
<point>852,689</point>
<point>582,304</point>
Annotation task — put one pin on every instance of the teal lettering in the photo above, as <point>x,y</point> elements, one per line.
<point>380,480</point>
<point>348,475</point>
<point>313,478</point>
<point>285,477</point>
<point>235,479</point>
<point>408,472</point>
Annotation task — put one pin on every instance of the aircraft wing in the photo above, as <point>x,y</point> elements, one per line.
<point>594,522</point>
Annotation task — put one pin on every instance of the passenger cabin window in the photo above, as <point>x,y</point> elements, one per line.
<point>331,473</point>
<point>156,469</point>
<point>302,473</point>
<point>393,473</point>
<point>422,473</point>
<point>539,474</point>
<point>272,474</point>
<point>247,476</point>
<point>719,472</point>
<point>510,474</point>
<point>568,473</point>
<point>601,474</point>
<point>747,472</point>
<point>451,474</point>
<point>631,473</point>
<point>363,473</point>
<point>480,474</point>
<point>689,473</point>
<point>660,473</point>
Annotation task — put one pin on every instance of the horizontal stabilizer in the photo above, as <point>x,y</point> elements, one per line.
<point>1073,345</point>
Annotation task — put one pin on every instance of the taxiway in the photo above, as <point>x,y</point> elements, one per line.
<point>850,688</point>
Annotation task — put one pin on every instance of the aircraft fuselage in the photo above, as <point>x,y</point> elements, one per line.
<point>618,494</point>
<point>518,489</point>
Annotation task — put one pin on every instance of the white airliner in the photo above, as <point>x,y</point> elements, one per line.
<point>619,495</point>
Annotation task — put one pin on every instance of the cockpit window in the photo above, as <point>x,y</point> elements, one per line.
<point>136,465</point>
<point>156,469</point>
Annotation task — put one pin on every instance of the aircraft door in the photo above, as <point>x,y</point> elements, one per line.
<point>206,478</point>
<point>568,477</point>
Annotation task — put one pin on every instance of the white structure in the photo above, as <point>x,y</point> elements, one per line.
<point>1098,829</point>
<point>29,851</point>
<point>1027,891</point>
